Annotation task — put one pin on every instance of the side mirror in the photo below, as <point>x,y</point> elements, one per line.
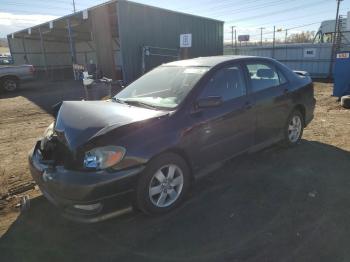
<point>211,101</point>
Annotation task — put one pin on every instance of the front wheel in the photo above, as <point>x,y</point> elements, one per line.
<point>163,185</point>
<point>294,128</point>
<point>9,84</point>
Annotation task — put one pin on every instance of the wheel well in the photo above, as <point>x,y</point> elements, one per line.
<point>183,155</point>
<point>9,77</point>
<point>301,109</point>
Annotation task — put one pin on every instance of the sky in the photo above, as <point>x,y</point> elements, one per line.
<point>246,15</point>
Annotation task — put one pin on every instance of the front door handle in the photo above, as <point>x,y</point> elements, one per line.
<point>196,112</point>
<point>248,105</point>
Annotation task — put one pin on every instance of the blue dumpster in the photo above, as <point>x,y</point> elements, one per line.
<point>342,74</point>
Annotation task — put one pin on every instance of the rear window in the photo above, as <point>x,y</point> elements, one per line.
<point>264,75</point>
<point>5,61</point>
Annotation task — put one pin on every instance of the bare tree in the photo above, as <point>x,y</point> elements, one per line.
<point>303,37</point>
<point>3,42</point>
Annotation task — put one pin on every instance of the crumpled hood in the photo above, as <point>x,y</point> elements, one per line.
<point>78,121</point>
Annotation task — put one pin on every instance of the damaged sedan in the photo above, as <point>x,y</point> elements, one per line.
<point>146,146</point>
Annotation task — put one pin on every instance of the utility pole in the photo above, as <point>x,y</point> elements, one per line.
<point>273,41</point>
<point>286,36</point>
<point>334,39</point>
<point>232,32</point>
<point>261,34</point>
<point>74,6</point>
<point>235,41</point>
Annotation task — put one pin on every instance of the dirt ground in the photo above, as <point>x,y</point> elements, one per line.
<point>24,116</point>
<point>280,204</point>
<point>4,50</point>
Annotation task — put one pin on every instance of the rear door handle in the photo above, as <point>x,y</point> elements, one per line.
<point>286,90</point>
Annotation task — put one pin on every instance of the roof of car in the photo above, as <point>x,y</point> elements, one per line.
<point>209,61</point>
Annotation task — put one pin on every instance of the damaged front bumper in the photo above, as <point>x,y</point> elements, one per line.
<point>84,196</point>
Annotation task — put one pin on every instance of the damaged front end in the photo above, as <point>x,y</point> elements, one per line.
<point>81,195</point>
<point>54,151</point>
<point>81,166</point>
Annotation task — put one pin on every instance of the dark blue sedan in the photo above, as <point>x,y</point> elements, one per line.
<point>148,144</point>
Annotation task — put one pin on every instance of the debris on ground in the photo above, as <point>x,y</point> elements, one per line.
<point>24,203</point>
<point>312,194</point>
<point>22,188</point>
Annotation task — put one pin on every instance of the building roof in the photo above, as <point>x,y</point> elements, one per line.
<point>78,15</point>
<point>209,61</point>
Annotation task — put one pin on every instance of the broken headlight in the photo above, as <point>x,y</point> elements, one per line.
<point>103,157</point>
<point>47,135</point>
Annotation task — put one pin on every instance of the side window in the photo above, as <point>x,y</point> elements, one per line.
<point>228,83</point>
<point>264,76</point>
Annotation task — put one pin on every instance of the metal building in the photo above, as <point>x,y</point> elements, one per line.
<point>123,38</point>
<point>317,58</point>
<point>313,58</point>
<point>326,31</point>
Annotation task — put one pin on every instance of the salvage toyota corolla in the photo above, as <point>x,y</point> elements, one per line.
<point>149,142</point>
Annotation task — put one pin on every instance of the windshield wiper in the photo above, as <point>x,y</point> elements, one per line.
<point>114,99</point>
<point>139,103</point>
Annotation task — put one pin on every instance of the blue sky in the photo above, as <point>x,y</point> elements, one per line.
<point>246,15</point>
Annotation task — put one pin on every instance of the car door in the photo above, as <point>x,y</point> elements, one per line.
<point>226,129</point>
<point>269,88</point>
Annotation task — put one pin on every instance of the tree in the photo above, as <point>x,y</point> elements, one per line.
<point>3,42</point>
<point>303,37</point>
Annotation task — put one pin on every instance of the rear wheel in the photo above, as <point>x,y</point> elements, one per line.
<point>294,128</point>
<point>9,84</point>
<point>163,185</point>
<point>345,101</point>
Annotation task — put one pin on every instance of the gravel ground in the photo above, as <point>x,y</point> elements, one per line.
<point>280,204</point>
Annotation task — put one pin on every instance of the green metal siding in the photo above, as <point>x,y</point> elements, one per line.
<point>141,25</point>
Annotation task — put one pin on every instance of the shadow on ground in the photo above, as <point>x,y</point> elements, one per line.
<point>275,205</point>
<point>45,94</point>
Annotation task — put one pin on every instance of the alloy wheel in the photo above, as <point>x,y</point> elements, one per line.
<point>166,185</point>
<point>294,128</point>
<point>10,85</point>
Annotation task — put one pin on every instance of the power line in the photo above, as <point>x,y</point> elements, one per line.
<point>31,12</point>
<point>251,8</point>
<point>56,1</point>
<point>290,28</point>
<point>40,6</point>
<point>227,9</point>
<point>49,6</point>
<point>297,17</point>
<point>217,4</point>
<point>284,30</point>
<point>280,11</point>
<point>284,20</point>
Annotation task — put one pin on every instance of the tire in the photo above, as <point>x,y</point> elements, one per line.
<point>156,193</point>
<point>345,102</point>
<point>9,84</point>
<point>293,130</point>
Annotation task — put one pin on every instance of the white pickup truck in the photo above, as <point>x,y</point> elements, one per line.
<point>11,76</point>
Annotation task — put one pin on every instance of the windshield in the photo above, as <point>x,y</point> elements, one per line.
<point>163,87</point>
<point>5,61</point>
